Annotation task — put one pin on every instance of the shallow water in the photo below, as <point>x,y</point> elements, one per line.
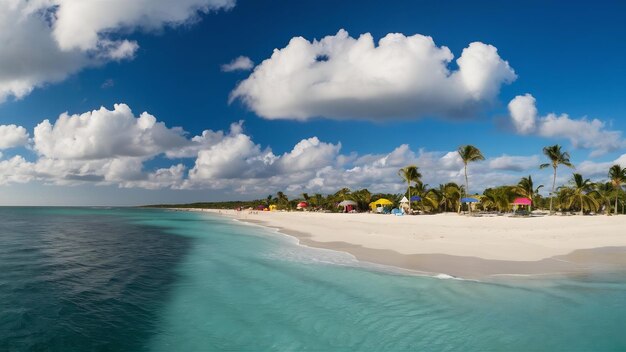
<point>76,279</point>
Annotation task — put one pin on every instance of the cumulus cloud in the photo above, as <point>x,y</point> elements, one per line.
<point>582,133</point>
<point>12,136</point>
<point>103,133</point>
<point>514,163</point>
<point>44,41</point>
<point>117,147</point>
<point>342,77</point>
<point>241,63</point>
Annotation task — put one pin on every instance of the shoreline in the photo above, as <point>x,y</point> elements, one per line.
<point>607,256</point>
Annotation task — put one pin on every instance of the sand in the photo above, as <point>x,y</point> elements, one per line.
<point>461,245</point>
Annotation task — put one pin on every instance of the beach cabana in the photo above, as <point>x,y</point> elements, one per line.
<point>522,201</point>
<point>380,203</point>
<point>404,204</point>
<point>348,205</point>
<point>517,202</point>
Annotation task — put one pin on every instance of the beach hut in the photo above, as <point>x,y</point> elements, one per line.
<point>469,201</point>
<point>517,202</point>
<point>380,203</point>
<point>348,205</point>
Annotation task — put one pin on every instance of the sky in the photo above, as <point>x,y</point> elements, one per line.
<point>155,101</point>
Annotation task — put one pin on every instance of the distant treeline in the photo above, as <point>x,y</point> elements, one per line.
<point>210,205</point>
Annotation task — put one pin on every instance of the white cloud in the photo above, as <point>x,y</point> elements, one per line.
<point>342,77</point>
<point>582,133</point>
<point>523,113</point>
<point>12,136</point>
<point>44,41</point>
<point>103,133</point>
<point>514,163</point>
<point>241,63</point>
<point>589,168</point>
<point>114,147</point>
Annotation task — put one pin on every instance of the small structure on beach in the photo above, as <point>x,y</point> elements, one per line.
<point>404,204</point>
<point>348,205</point>
<point>380,203</point>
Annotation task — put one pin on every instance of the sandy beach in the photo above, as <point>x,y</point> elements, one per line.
<point>460,245</point>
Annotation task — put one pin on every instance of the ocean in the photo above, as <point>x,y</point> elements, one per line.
<point>123,279</point>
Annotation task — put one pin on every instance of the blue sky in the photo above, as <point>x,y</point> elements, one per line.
<point>569,58</point>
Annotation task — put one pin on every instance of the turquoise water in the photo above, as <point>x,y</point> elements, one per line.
<point>130,279</point>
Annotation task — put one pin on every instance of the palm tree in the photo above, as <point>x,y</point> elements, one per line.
<point>468,154</point>
<point>581,192</point>
<point>604,192</point>
<point>450,194</point>
<point>556,158</point>
<point>268,200</point>
<point>410,174</point>
<point>428,197</point>
<point>282,199</point>
<point>499,198</point>
<point>617,175</point>
<point>526,188</point>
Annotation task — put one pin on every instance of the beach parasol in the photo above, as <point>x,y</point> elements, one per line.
<point>404,200</point>
<point>416,198</point>
<point>346,203</point>
<point>380,203</point>
<point>522,201</point>
<point>303,205</point>
<point>469,200</point>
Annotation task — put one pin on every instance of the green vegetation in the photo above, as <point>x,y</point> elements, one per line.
<point>579,195</point>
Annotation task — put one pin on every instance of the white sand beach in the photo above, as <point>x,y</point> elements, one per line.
<point>455,243</point>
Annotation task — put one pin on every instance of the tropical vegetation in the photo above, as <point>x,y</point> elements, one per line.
<point>579,195</point>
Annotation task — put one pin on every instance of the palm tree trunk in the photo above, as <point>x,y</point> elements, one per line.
<point>552,193</point>
<point>582,208</point>
<point>409,192</point>
<point>469,205</point>
<point>615,204</point>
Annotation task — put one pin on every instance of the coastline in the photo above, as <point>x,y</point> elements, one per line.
<point>518,249</point>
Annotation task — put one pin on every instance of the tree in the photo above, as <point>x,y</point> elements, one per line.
<point>557,157</point>
<point>410,174</point>
<point>499,198</point>
<point>617,175</point>
<point>429,199</point>
<point>450,195</point>
<point>581,192</point>
<point>268,200</point>
<point>468,154</point>
<point>604,192</point>
<point>526,188</point>
<point>282,199</point>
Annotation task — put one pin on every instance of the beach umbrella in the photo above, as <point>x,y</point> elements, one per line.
<point>380,202</point>
<point>303,204</point>
<point>522,201</point>
<point>416,198</point>
<point>260,207</point>
<point>404,200</point>
<point>345,203</point>
<point>469,200</point>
